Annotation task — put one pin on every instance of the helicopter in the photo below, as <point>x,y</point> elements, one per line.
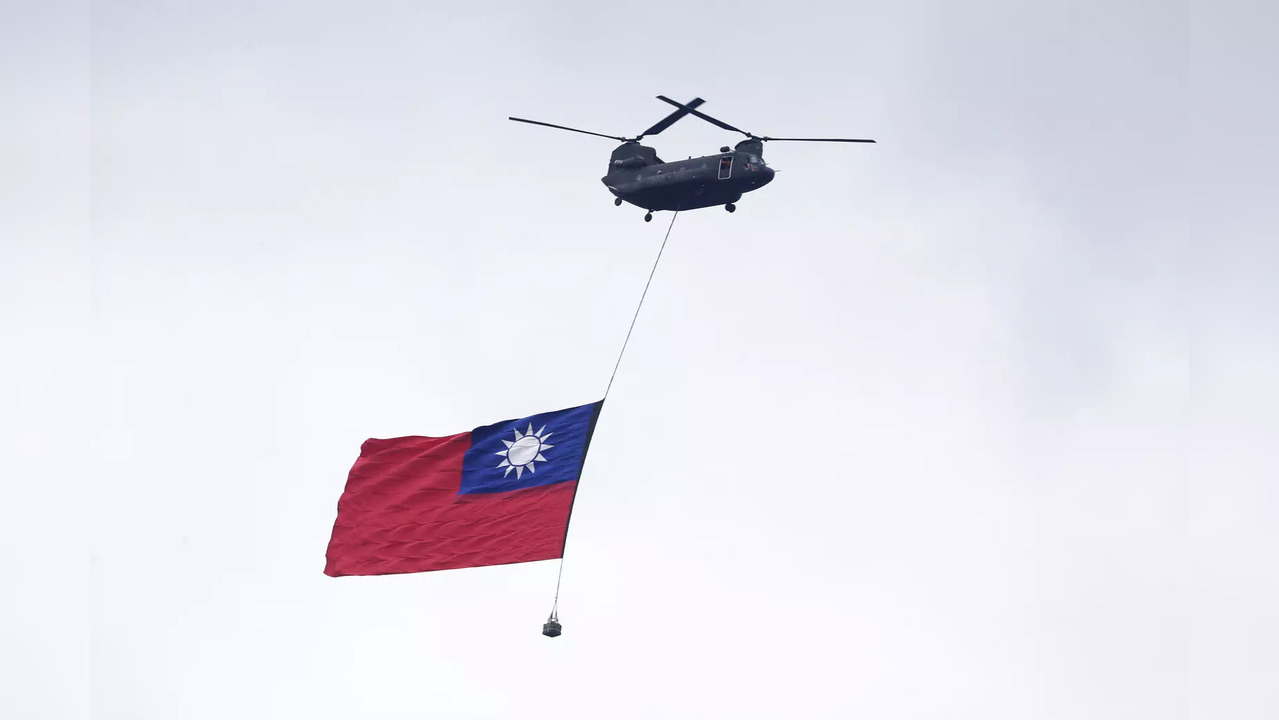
<point>636,174</point>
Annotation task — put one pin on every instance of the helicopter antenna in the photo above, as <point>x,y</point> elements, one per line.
<point>763,138</point>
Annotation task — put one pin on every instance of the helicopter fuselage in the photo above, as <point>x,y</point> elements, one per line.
<point>719,179</point>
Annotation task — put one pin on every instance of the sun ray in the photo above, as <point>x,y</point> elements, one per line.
<point>508,444</point>
<point>539,458</point>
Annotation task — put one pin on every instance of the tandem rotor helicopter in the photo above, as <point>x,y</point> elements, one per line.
<point>638,176</point>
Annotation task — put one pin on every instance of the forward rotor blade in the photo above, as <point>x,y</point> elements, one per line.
<point>819,139</point>
<point>562,127</point>
<point>670,119</point>
<point>704,116</point>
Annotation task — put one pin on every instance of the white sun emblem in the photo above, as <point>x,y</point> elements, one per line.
<point>524,451</point>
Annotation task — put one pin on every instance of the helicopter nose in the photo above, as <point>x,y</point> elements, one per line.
<point>764,174</point>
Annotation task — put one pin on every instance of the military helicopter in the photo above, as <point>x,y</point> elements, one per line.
<point>638,176</point>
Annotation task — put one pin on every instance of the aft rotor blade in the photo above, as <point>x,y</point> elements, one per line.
<point>670,119</point>
<point>562,127</point>
<point>819,139</point>
<point>704,116</point>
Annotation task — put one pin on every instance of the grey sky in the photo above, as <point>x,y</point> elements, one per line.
<point>906,436</point>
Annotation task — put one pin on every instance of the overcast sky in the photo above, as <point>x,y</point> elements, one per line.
<point>909,435</point>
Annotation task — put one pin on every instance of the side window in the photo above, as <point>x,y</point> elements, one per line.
<point>725,167</point>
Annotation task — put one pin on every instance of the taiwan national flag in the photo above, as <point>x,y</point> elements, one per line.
<point>499,494</point>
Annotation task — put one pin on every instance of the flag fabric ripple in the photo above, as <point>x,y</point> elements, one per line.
<point>498,494</point>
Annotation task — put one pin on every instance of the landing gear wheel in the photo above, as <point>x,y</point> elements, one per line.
<point>618,202</point>
<point>648,217</point>
<point>730,207</point>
